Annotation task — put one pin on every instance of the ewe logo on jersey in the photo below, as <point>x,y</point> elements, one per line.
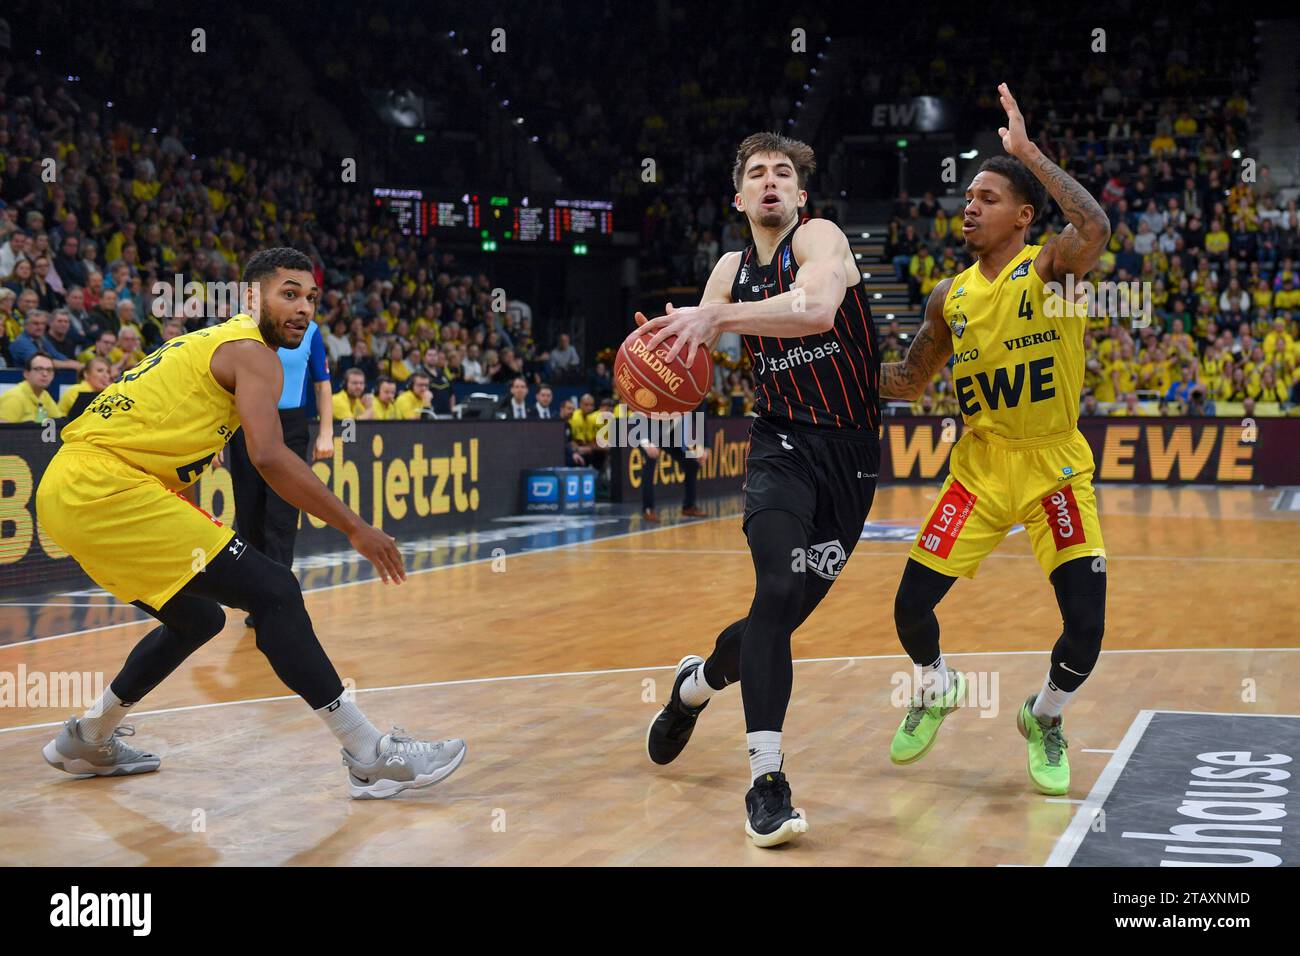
<point>1004,388</point>
<point>796,356</point>
<point>827,559</point>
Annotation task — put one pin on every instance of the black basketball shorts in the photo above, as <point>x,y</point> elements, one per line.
<point>826,477</point>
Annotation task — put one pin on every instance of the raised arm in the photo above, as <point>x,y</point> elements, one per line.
<point>1078,247</point>
<point>928,353</point>
<point>808,308</point>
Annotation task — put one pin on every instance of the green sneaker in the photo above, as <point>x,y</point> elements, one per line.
<point>916,734</point>
<point>1049,768</point>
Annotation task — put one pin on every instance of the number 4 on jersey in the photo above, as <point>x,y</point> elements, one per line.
<point>1026,307</point>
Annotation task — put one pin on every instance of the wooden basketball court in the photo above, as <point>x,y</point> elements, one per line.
<point>550,662</point>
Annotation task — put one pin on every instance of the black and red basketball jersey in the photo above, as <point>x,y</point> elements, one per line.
<point>830,379</point>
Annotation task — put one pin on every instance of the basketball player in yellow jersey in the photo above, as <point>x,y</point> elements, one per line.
<point>111,498</point>
<point>1018,363</point>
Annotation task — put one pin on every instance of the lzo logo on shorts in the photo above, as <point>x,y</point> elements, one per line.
<point>827,559</point>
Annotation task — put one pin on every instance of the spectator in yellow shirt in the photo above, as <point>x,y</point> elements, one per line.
<point>1270,389</point>
<point>412,403</point>
<point>1216,240</point>
<point>30,400</point>
<point>1131,407</point>
<point>1255,362</point>
<point>1263,295</point>
<point>585,422</point>
<point>1163,144</point>
<point>1279,342</point>
<point>1108,348</point>
<point>94,377</point>
<point>1124,371</point>
<point>385,403</point>
<point>105,348</point>
<point>128,344</point>
<point>353,401</point>
<point>920,271</point>
<point>1288,297</point>
<point>396,366</point>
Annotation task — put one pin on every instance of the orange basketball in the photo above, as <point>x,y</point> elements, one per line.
<point>651,384</point>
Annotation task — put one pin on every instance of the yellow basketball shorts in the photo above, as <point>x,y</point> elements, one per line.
<point>135,538</point>
<point>992,487</point>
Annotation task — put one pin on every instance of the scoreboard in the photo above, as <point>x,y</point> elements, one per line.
<point>488,220</point>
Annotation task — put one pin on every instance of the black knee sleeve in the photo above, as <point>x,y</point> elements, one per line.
<point>274,591</point>
<point>270,592</point>
<point>919,592</point>
<point>1080,587</point>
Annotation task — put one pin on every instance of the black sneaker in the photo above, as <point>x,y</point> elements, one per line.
<point>672,726</point>
<point>772,820</point>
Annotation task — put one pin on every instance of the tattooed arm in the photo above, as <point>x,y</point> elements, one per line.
<point>1078,247</point>
<point>928,353</point>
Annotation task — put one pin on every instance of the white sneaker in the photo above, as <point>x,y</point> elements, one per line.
<point>404,763</point>
<point>108,758</point>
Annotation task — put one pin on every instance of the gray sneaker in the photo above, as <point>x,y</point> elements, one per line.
<point>108,758</point>
<point>404,763</point>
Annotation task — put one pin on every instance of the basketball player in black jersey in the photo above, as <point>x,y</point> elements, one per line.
<point>795,294</point>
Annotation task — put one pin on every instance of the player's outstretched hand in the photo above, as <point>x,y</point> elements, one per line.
<point>694,328</point>
<point>1014,138</point>
<point>380,550</point>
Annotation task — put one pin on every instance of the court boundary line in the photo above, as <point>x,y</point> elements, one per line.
<point>377,580</point>
<point>1068,843</point>
<point>661,667</point>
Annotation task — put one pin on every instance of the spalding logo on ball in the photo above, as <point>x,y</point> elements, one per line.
<point>648,382</point>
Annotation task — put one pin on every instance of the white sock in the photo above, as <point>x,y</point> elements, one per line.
<point>98,723</point>
<point>935,681</point>
<point>358,735</point>
<point>1051,700</point>
<point>695,689</point>
<point>764,752</point>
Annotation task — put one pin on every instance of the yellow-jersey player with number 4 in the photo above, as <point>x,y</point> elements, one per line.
<point>1016,344</point>
<point>111,498</point>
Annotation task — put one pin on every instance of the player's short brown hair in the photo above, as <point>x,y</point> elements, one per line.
<point>801,155</point>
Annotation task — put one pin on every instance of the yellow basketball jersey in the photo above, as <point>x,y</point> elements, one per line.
<point>1018,357</point>
<point>168,416</point>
